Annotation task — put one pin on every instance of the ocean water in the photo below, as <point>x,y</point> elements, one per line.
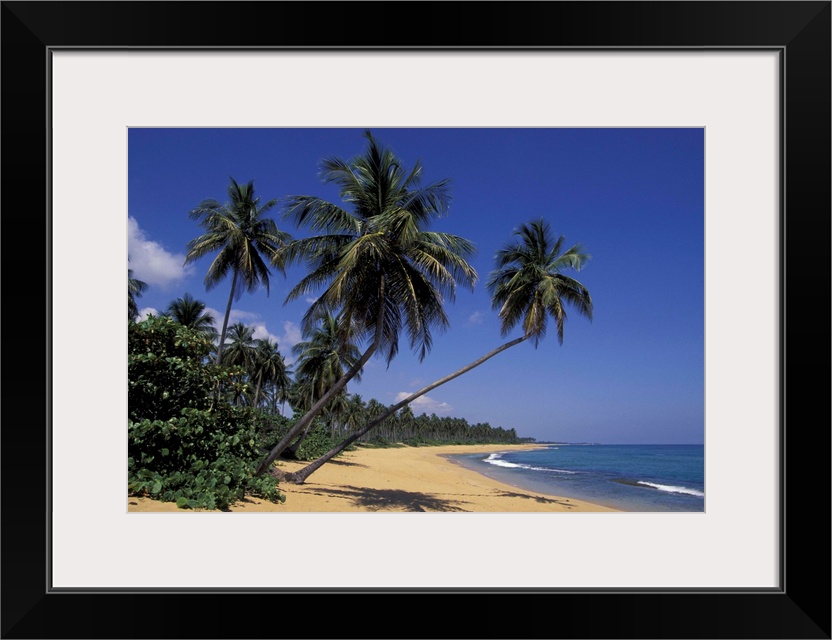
<point>638,478</point>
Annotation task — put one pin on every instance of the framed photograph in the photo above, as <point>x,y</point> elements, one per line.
<point>752,77</point>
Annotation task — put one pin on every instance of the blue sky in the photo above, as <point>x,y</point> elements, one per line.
<point>633,197</point>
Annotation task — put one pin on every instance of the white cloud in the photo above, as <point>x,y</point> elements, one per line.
<point>291,336</point>
<point>475,318</point>
<point>425,404</point>
<point>291,333</point>
<point>310,300</point>
<point>151,262</point>
<point>261,333</point>
<point>248,318</point>
<point>238,315</point>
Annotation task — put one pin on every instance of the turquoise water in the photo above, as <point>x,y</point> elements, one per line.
<point>641,477</point>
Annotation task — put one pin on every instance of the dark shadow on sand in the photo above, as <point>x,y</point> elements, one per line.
<point>539,499</point>
<point>335,462</point>
<point>345,463</point>
<point>380,499</point>
<point>377,499</point>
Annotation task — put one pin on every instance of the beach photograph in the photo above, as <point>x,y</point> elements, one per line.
<point>520,332</point>
<point>446,320</point>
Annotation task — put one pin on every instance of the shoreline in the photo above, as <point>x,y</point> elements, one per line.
<point>398,479</point>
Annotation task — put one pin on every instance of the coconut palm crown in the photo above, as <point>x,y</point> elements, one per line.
<point>528,285</point>
<point>268,368</point>
<point>325,356</point>
<point>241,347</point>
<point>245,242</point>
<point>382,268</point>
<point>190,312</point>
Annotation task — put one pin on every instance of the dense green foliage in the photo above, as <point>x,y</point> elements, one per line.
<point>316,443</point>
<point>186,443</point>
<point>318,439</point>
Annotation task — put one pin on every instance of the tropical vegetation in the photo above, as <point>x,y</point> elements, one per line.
<point>185,444</point>
<point>245,242</point>
<point>207,410</point>
<point>382,271</point>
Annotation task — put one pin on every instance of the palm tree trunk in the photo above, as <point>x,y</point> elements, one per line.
<point>300,476</point>
<point>257,390</point>
<point>225,319</point>
<point>306,420</point>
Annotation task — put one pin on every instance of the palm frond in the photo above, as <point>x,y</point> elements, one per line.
<point>374,258</point>
<point>527,286</point>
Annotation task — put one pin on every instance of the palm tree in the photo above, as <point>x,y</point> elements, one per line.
<point>135,288</point>
<point>278,388</point>
<point>240,350</point>
<point>325,355</point>
<point>528,287</point>
<point>323,359</point>
<point>380,266</point>
<point>267,367</point>
<point>242,238</point>
<point>300,396</point>
<point>374,409</point>
<point>355,414</point>
<point>190,312</point>
<point>406,419</point>
<point>335,413</point>
<point>281,387</point>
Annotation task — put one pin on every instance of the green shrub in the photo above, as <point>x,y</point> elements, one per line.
<point>186,444</point>
<point>316,443</point>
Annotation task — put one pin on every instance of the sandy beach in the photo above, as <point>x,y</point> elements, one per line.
<point>402,479</point>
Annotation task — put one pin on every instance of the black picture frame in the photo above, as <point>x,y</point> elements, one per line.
<point>800,608</point>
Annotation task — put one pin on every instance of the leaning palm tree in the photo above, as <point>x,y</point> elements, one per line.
<point>245,242</point>
<point>379,265</point>
<point>528,287</point>
<point>190,312</point>
<point>135,288</point>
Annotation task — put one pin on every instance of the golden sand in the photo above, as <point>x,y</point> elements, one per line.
<point>397,479</point>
